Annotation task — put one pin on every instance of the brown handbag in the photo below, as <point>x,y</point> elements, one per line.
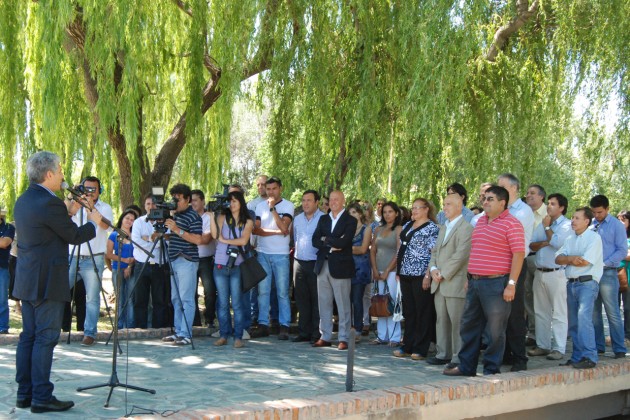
<point>381,305</point>
<point>622,274</point>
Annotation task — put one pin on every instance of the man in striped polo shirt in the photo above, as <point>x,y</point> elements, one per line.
<point>185,235</point>
<point>496,258</point>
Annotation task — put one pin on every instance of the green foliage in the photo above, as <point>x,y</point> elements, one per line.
<point>392,98</point>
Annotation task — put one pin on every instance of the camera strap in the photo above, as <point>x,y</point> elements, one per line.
<point>240,248</point>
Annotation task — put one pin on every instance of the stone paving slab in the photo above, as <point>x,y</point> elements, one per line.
<point>186,379</point>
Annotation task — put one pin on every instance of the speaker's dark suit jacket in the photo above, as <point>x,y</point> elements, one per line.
<point>340,263</point>
<point>45,230</point>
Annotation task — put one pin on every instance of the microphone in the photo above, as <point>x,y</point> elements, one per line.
<point>71,190</point>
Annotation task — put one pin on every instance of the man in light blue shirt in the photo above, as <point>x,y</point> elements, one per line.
<point>549,286</point>
<point>304,277</point>
<point>582,254</point>
<point>615,249</point>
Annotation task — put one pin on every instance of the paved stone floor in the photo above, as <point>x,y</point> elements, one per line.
<point>207,376</point>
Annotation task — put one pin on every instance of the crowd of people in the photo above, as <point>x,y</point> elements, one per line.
<point>506,280</point>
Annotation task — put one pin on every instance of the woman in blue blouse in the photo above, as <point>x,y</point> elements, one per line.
<point>417,239</point>
<point>126,261</point>
<point>362,277</point>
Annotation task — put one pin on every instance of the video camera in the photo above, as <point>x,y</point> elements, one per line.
<point>163,210</point>
<point>220,202</point>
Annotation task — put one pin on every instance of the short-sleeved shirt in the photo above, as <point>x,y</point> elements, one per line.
<point>274,244</point>
<point>190,222</point>
<point>588,245</point>
<point>7,230</point>
<point>494,244</point>
<point>303,230</point>
<point>206,250</point>
<point>127,251</point>
<point>99,242</point>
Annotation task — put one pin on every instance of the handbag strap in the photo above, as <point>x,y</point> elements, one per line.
<point>233,229</point>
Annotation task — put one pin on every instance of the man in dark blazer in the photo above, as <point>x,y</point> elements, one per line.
<point>334,269</point>
<point>42,278</point>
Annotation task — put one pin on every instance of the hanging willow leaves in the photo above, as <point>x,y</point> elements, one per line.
<point>385,97</point>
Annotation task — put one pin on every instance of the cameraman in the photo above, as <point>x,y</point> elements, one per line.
<point>186,229</point>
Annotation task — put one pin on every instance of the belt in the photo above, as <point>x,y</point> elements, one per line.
<point>581,279</point>
<point>491,276</point>
<point>611,268</point>
<point>548,270</point>
<point>85,257</point>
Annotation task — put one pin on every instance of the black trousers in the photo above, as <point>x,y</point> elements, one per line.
<point>205,273</point>
<point>305,290</point>
<point>419,313</point>
<point>79,307</point>
<point>154,281</point>
<point>516,331</point>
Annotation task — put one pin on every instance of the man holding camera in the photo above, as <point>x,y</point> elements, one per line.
<point>186,230</point>
<point>150,274</point>
<point>90,269</point>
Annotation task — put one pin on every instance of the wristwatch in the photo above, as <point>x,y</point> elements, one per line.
<point>181,232</point>
<point>272,208</point>
<point>547,228</point>
<point>511,282</point>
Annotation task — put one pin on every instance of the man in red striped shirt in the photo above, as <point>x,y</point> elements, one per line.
<point>496,258</point>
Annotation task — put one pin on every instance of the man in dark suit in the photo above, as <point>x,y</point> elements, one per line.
<point>334,269</point>
<point>42,278</point>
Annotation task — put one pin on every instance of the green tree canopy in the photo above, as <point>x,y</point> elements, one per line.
<point>394,97</point>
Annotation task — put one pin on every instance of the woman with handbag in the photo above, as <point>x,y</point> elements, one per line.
<point>232,230</point>
<point>362,277</point>
<point>383,261</point>
<point>417,239</point>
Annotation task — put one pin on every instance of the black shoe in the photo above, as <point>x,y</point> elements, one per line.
<point>518,366</point>
<point>4,331</point>
<point>284,333</point>
<point>437,361</point>
<point>585,363</point>
<point>567,363</point>
<point>301,339</point>
<point>53,405</point>
<point>620,355</point>
<point>25,403</point>
<point>261,331</point>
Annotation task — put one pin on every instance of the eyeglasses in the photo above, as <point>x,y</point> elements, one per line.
<point>488,199</point>
<point>418,207</point>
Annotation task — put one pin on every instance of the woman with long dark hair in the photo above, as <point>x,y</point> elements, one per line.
<point>126,261</point>
<point>362,277</point>
<point>417,239</point>
<point>232,230</point>
<point>383,261</point>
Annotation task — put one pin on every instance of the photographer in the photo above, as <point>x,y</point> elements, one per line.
<point>235,226</point>
<point>186,229</point>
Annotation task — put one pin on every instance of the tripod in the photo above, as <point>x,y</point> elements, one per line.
<point>113,379</point>
<point>160,229</point>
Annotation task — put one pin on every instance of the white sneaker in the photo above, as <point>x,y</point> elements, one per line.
<point>246,335</point>
<point>216,334</point>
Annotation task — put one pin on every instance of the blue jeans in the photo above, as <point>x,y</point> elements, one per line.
<point>277,268</point>
<point>229,286</point>
<point>4,299</point>
<point>580,302</point>
<point>92,283</point>
<point>485,311</point>
<point>41,325</point>
<point>609,296</point>
<point>246,308</point>
<point>183,286</point>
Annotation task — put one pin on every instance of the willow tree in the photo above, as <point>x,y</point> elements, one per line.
<point>128,89</point>
<point>404,97</point>
<point>397,96</point>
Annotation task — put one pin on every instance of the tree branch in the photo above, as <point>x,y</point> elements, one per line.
<point>525,12</point>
